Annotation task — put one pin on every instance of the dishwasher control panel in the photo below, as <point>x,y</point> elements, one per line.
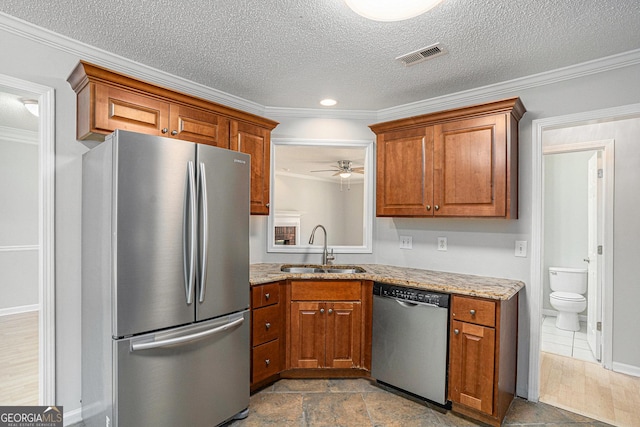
<point>411,294</point>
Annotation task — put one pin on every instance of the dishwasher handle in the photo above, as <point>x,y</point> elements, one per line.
<point>409,304</point>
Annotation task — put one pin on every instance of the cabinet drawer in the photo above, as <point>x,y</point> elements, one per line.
<point>266,324</point>
<point>265,360</point>
<point>323,290</point>
<point>473,310</point>
<point>265,295</point>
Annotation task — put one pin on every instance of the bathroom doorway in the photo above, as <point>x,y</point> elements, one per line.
<point>573,222</point>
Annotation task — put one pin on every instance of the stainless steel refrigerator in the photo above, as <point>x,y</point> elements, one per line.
<point>165,283</point>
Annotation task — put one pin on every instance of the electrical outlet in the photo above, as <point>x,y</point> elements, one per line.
<point>521,248</point>
<point>442,243</point>
<point>406,242</point>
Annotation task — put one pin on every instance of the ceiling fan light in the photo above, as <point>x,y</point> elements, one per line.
<point>345,174</point>
<point>391,10</point>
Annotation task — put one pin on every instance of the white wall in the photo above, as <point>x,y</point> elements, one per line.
<point>565,213</point>
<point>19,207</point>
<point>475,246</point>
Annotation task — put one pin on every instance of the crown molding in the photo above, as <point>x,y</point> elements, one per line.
<point>123,65</point>
<point>10,134</point>
<point>453,100</point>
<point>480,94</point>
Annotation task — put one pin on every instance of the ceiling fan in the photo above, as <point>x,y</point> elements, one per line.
<point>344,169</point>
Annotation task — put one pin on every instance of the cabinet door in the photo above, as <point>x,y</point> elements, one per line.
<point>472,366</point>
<point>116,108</point>
<point>470,167</point>
<point>404,182</point>
<point>307,334</point>
<point>197,125</point>
<point>256,142</point>
<point>343,335</point>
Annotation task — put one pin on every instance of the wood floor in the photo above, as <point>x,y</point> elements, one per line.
<point>19,359</point>
<point>588,389</point>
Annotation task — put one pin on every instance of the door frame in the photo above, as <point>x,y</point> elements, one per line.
<point>537,210</point>
<point>46,233</point>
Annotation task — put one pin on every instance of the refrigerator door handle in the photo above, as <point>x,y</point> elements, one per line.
<point>205,231</point>
<point>189,234</point>
<point>186,338</point>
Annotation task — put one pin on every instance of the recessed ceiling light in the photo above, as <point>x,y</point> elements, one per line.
<point>391,10</point>
<point>328,102</point>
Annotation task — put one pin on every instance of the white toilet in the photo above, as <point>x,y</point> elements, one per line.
<point>568,286</point>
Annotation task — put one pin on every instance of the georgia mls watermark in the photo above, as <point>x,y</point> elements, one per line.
<point>31,416</point>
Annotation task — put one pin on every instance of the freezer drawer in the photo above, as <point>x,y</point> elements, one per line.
<point>199,378</point>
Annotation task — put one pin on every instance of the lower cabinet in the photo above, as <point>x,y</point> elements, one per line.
<point>310,328</point>
<point>482,357</point>
<point>326,334</point>
<point>267,332</point>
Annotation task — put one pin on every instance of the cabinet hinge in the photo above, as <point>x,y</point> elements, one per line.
<point>599,249</point>
<point>600,173</point>
<point>599,326</point>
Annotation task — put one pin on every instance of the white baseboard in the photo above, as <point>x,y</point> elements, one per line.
<point>554,313</point>
<point>73,417</point>
<point>626,369</point>
<point>17,310</point>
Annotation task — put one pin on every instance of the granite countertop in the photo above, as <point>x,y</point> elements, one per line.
<point>463,284</point>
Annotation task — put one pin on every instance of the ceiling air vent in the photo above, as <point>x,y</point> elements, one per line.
<point>423,54</point>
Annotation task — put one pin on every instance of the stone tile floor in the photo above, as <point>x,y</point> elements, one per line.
<point>361,402</point>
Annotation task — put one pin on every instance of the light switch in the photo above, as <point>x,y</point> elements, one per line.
<point>406,242</point>
<point>521,248</point>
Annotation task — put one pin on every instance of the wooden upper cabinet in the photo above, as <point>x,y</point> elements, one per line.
<point>404,181</point>
<point>107,101</point>
<point>255,141</point>
<point>461,162</point>
<point>470,167</point>
<point>197,125</point>
<point>116,108</point>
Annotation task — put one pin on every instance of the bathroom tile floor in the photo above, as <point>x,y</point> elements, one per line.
<point>565,343</point>
<point>361,403</point>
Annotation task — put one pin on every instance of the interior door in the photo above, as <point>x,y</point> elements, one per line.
<point>594,310</point>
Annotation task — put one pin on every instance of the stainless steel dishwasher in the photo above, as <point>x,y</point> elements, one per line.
<point>410,340</point>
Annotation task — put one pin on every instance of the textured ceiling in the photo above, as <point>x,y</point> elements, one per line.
<point>293,53</point>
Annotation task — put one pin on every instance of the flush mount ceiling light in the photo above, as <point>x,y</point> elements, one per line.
<point>391,10</point>
<point>328,102</point>
<point>32,106</point>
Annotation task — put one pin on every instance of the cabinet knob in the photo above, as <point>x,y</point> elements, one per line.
<point>164,130</point>
<point>456,331</point>
<point>267,296</point>
<point>437,207</point>
<point>472,312</point>
<point>330,310</point>
<point>174,132</point>
<point>322,310</point>
<point>428,207</point>
<point>267,362</point>
<point>267,325</point>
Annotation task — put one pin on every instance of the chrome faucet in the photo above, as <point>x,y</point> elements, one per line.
<point>325,254</point>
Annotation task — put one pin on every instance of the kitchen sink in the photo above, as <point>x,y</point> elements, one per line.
<point>320,269</point>
<point>294,269</point>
